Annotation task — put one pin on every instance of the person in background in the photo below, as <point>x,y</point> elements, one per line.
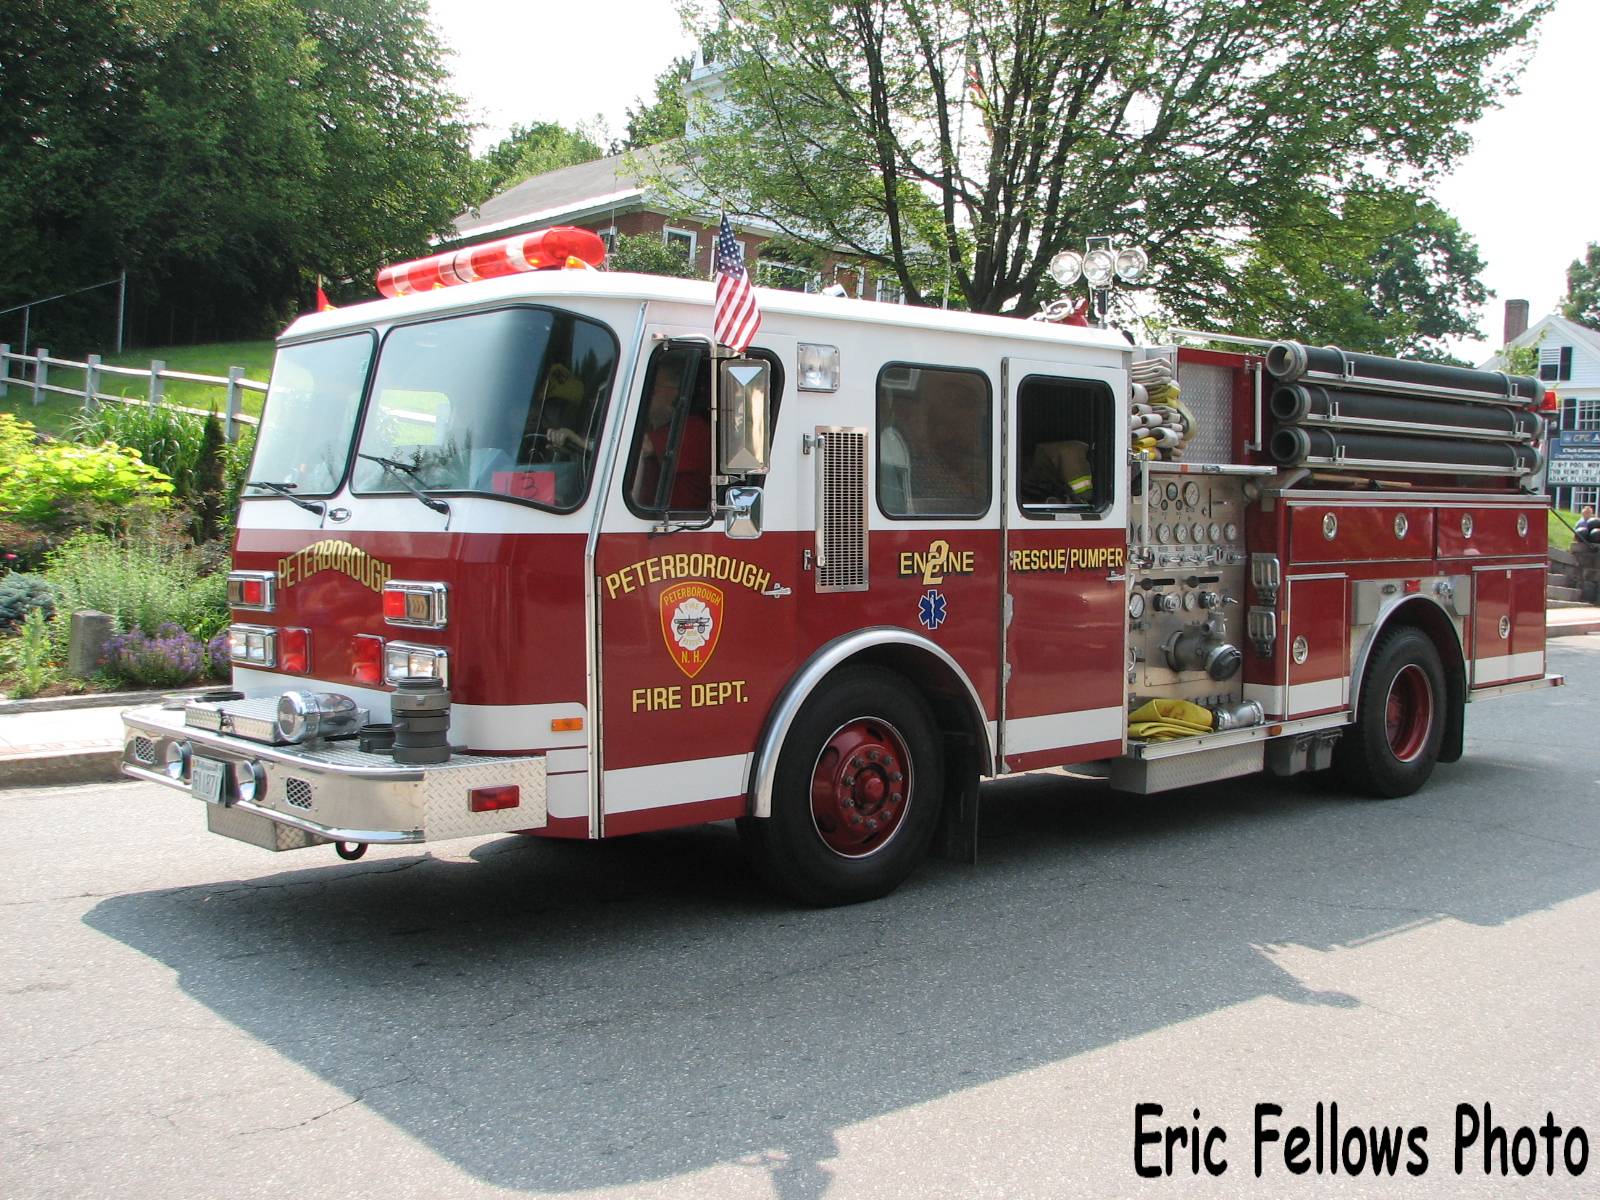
<point>1588,528</point>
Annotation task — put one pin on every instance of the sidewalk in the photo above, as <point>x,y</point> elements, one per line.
<point>78,745</point>
<point>84,745</point>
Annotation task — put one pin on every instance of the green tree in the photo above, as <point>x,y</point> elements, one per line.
<point>530,150</point>
<point>1582,303</point>
<point>990,134</point>
<point>224,151</point>
<point>649,256</point>
<point>663,118</point>
<point>1379,269</point>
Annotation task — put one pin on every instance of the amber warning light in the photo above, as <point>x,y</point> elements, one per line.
<point>565,245</point>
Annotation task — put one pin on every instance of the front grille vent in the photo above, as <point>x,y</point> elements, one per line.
<point>144,750</point>
<point>842,511</point>
<point>297,792</point>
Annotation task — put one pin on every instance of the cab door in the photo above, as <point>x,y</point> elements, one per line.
<point>1063,684</point>
<point>694,630</point>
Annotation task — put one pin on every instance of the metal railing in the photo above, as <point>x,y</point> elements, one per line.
<point>34,374</point>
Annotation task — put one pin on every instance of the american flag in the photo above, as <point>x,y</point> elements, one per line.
<point>736,316</point>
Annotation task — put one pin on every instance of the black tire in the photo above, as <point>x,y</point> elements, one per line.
<point>1400,718</point>
<point>857,838</point>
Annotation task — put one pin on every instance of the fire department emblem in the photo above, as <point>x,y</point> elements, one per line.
<point>691,623</point>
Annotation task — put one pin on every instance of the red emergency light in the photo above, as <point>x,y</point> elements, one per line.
<point>538,251</point>
<point>1550,403</point>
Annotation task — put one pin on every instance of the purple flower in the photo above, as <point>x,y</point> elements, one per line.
<point>169,658</point>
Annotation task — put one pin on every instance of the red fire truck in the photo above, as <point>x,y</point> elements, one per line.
<point>533,554</point>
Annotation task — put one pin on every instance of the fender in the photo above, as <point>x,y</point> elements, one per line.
<point>764,767</point>
<point>1386,613</point>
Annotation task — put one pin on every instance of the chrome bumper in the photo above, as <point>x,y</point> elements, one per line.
<point>331,793</point>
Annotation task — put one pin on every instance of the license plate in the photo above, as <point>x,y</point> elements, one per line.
<point>208,779</point>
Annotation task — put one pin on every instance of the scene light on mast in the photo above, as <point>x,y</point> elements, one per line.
<point>1100,266</point>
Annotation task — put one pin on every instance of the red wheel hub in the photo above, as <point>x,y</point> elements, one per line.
<point>860,787</point>
<point>1408,713</point>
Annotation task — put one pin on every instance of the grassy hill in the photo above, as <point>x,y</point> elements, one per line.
<point>55,412</point>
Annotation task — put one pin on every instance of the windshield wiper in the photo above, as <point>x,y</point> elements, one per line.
<point>400,471</point>
<point>286,490</point>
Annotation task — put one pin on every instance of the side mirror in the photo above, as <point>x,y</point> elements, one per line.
<point>743,519</point>
<point>743,396</point>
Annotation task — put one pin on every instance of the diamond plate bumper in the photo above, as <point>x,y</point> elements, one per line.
<point>331,793</point>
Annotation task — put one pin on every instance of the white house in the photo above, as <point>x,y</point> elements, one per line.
<point>1569,365</point>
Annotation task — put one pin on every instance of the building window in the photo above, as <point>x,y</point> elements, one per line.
<point>933,442</point>
<point>1587,415</point>
<point>1555,363</point>
<point>888,291</point>
<point>1582,496</point>
<point>788,277</point>
<point>683,240</point>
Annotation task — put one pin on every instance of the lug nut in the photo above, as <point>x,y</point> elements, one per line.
<point>857,763</point>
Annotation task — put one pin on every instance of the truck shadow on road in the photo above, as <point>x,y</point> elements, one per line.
<point>550,1016</point>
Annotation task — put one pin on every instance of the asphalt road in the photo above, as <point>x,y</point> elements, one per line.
<point>187,1016</point>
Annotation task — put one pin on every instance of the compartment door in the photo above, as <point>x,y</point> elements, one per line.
<point>1066,568</point>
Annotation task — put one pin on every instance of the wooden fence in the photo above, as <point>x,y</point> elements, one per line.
<point>32,371</point>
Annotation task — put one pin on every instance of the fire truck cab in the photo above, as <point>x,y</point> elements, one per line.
<point>536,555</point>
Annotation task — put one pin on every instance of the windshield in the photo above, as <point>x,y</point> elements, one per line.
<point>505,403</point>
<point>310,414</point>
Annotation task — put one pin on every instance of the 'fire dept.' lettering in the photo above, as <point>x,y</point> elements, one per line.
<point>1061,558</point>
<point>687,566</point>
<point>333,555</point>
<point>700,695</point>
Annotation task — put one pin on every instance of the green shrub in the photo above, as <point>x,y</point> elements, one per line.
<point>44,484</point>
<point>28,658</point>
<point>166,439</point>
<point>20,594</point>
<point>144,580</point>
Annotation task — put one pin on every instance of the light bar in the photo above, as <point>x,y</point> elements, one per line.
<point>546,249</point>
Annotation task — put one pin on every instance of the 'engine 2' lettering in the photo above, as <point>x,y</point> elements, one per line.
<point>1062,558</point>
<point>698,695</point>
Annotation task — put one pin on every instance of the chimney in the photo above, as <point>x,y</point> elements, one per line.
<point>1516,321</point>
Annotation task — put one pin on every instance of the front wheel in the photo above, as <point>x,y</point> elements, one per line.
<point>857,792</point>
<point>1400,717</point>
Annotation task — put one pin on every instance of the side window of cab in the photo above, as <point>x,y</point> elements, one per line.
<point>670,464</point>
<point>1065,430</point>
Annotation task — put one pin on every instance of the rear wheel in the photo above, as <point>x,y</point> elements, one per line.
<point>1400,718</point>
<point>857,792</point>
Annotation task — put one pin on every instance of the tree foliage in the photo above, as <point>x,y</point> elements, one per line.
<point>1382,270</point>
<point>970,140</point>
<point>662,118</point>
<point>649,255</point>
<point>530,150</point>
<point>224,151</point>
<point>1582,303</point>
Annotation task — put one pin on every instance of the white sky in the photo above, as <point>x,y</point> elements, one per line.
<point>1529,191</point>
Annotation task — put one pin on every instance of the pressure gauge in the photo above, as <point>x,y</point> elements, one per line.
<point>1136,534</point>
<point>1172,491</point>
<point>1198,532</point>
<point>1163,532</point>
<point>1136,605</point>
<point>1215,531</point>
<point>1231,531</point>
<point>1191,601</point>
<point>1191,493</point>
<point>1181,532</point>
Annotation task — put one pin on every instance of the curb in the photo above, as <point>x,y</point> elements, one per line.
<point>92,700</point>
<point>1572,629</point>
<point>56,768</point>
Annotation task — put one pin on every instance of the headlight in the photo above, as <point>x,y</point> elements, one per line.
<point>253,645</point>
<point>403,659</point>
